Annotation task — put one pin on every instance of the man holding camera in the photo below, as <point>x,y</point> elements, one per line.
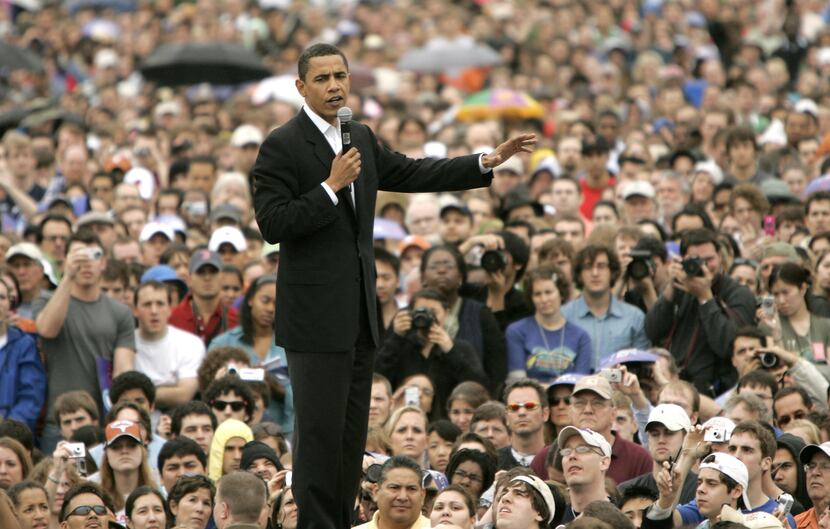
<point>419,344</point>
<point>646,273</point>
<point>699,312</point>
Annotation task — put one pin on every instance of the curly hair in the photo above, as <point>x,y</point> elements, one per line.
<point>216,359</point>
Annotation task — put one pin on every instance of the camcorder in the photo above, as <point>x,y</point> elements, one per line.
<point>640,266</point>
<point>693,266</point>
<point>422,318</point>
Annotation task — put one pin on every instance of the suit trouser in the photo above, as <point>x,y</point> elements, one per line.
<point>331,409</point>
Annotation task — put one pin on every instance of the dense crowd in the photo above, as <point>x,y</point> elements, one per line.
<point>628,328</point>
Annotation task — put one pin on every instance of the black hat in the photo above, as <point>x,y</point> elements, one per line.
<point>257,450</point>
<point>458,208</point>
<point>514,201</point>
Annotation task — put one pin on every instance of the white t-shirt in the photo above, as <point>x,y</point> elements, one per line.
<point>171,359</point>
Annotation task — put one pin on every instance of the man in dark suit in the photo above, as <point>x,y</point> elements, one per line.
<point>319,203</point>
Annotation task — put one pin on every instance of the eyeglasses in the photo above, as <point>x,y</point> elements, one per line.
<point>441,265</point>
<point>460,474</point>
<point>597,404</point>
<point>84,510</point>
<point>222,405</point>
<point>56,238</point>
<point>529,406</point>
<point>824,468</point>
<point>554,401</point>
<point>581,450</point>
<point>786,419</point>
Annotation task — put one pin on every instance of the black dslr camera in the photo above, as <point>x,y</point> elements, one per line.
<point>422,318</point>
<point>768,360</point>
<point>640,266</point>
<point>693,266</point>
<point>494,260</point>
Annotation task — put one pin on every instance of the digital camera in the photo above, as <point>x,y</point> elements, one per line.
<point>693,266</point>
<point>422,318</point>
<point>640,266</point>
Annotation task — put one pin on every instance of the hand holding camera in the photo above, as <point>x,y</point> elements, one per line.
<point>439,336</point>
<point>402,322</point>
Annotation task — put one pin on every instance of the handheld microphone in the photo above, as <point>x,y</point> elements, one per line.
<point>344,114</point>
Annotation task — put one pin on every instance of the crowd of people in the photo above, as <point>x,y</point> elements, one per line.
<point>628,328</point>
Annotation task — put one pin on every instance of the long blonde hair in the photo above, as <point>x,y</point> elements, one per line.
<point>145,477</point>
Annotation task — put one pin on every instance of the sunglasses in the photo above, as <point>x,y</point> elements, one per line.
<point>222,405</point>
<point>555,401</point>
<point>529,406</point>
<point>84,510</point>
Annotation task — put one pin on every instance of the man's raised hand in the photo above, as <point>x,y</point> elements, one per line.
<point>522,143</point>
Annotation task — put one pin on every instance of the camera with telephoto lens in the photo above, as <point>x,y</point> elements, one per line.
<point>422,318</point>
<point>768,360</point>
<point>494,260</point>
<point>693,266</point>
<point>640,266</point>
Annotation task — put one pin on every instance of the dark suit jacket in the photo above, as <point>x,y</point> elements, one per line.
<point>325,249</point>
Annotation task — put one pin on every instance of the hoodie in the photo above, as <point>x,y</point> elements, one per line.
<point>225,432</point>
<point>794,445</point>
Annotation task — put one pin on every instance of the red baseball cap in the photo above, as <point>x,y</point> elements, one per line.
<point>118,429</point>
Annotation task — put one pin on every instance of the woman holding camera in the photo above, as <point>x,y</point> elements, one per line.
<point>792,325</point>
<point>545,345</point>
<point>419,344</point>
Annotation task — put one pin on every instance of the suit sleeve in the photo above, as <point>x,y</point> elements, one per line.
<point>399,173</point>
<point>283,212</point>
<point>495,350</point>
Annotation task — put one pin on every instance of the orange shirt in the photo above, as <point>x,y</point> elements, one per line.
<point>807,519</point>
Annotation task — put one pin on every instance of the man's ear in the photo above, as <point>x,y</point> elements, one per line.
<point>300,86</point>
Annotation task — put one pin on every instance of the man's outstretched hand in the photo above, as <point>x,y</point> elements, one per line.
<point>523,143</point>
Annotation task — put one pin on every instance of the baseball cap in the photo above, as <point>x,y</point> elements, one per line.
<point>722,423</point>
<point>26,249</point>
<point>596,383</point>
<point>143,179</point>
<point>226,211</point>
<point>246,135</point>
<point>513,164</point>
<point>118,429</point>
<point>152,228</point>
<point>777,191</point>
<point>169,107</point>
<point>711,168</point>
<point>672,416</point>
<point>163,273</point>
<point>202,258</point>
<point>413,241</point>
<point>806,106</point>
<point>94,217</point>
<point>591,437</point>
<point>229,235</point>
<point>542,488</point>
<point>638,188</point>
<point>729,466</point>
<point>568,379</point>
<point>780,249</point>
<point>458,208</point>
<point>809,451</point>
<point>629,356</point>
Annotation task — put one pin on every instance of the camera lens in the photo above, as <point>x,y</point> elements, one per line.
<point>638,269</point>
<point>493,261</point>
<point>768,360</point>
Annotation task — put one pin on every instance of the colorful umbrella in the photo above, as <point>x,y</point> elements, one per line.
<point>499,103</point>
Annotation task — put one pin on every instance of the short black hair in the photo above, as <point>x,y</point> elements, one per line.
<point>692,210</point>
<point>818,196</point>
<point>653,246</point>
<point>317,50</point>
<point>518,250</point>
<point>399,462</point>
<point>85,487</point>
<point>194,407</point>
<point>445,429</point>
<point>791,390</point>
<point>132,380</point>
<point>227,384</point>
<point>52,217</point>
<point>179,447</point>
<point>758,377</point>
<point>748,331</point>
<point>698,237</point>
<point>84,236</point>
<point>634,492</point>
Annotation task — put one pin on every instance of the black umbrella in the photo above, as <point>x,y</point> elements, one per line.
<point>219,63</point>
<point>121,6</point>
<point>16,58</point>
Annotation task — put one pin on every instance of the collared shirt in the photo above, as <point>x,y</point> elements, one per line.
<point>807,519</point>
<point>221,320</point>
<point>621,327</point>
<point>523,459</point>
<point>628,460</point>
<point>421,523</point>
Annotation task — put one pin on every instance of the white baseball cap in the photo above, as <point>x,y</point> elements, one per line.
<point>143,180</point>
<point>729,466</point>
<point>672,416</point>
<point>711,168</point>
<point>591,437</point>
<point>542,488</point>
<point>230,235</point>
<point>727,425</point>
<point>639,188</point>
<point>26,249</point>
<point>246,135</point>
<point>152,228</point>
<point>809,451</point>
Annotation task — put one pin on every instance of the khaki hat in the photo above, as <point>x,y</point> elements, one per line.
<point>596,383</point>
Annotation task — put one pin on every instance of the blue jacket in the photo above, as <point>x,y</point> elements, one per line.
<point>22,379</point>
